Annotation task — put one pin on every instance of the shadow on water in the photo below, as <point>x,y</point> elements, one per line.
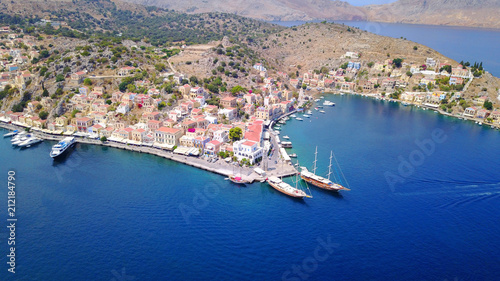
<point>335,194</point>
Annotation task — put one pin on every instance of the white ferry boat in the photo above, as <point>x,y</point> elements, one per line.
<point>61,147</point>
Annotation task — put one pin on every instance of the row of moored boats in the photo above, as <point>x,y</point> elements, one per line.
<point>25,139</point>
<point>22,138</point>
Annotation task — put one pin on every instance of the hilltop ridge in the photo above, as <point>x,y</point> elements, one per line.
<point>473,13</point>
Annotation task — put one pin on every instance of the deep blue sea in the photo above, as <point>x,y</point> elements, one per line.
<point>458,43</point>
<point>109,214</point>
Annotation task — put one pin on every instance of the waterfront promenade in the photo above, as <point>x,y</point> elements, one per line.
<point>219,167</point>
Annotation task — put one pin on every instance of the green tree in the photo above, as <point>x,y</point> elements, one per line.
<point>488,105</point>
<point>43,115</point>
<point>45,93</point>
<point>235,133</point>
<point>397,62</point>
<point>237,89</point>
<point>87,82</point>
<point>59,78</point>
<point>104,138</point>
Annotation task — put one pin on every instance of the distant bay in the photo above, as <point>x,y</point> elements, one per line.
<point>458,43</point>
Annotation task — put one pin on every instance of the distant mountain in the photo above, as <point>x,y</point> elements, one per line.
<point>477,13</point>
<point>283,10</point>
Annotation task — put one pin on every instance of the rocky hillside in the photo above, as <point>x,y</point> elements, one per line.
<point>477,13</point>
<point>271,10</point>
<point>315,45</point>
<point>110,18</point>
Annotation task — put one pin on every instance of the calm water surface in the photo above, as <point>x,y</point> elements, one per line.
<point>109,214</point>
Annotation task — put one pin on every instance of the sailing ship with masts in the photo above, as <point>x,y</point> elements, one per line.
<point>321,182</point>
<point>285,188</point>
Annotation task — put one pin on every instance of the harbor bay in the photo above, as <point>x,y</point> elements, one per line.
<point>103,210</point>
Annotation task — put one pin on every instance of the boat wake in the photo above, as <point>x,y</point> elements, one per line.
<point>461,193</point>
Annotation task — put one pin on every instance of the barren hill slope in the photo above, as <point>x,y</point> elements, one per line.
<point>477,13</point>
<point>266,9</point>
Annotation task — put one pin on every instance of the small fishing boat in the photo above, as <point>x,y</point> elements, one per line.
<point>293,115</point>
<point>293,155</point>
<point>322,111</point>
<point>286,137</point>
<point>306,116</point>
<point>299,119</point>
<point>237,180</point>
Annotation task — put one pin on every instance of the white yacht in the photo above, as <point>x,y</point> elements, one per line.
<point>18,136</point>
<point>322,111</point>
<point>293,115</point>
<point>62,146</point>
<point>13,133</point>
<point>329,103</point>
<point>306,116</point>
<point>30,141</point>
<point>20,139</point>
<point>300,119</point>
<point>286,137</point>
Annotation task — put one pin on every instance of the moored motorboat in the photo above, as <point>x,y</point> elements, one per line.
<point>10,134</point>
<point>21,139</point>
<point>237,179</point>
<point>300,119</point>
<point>30,141</point>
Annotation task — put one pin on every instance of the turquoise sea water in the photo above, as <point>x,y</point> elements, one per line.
<point>458,43</point>
<point>109,214</point>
